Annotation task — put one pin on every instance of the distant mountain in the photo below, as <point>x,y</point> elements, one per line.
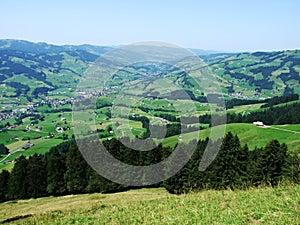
<point>202,52</point>
<point>41,47</point>
<point>29,69</point>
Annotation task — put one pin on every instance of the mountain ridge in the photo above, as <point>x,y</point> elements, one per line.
<point>29,69</point>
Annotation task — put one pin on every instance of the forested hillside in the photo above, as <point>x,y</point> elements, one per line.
<point>259,73</point>
<point>32,69</point>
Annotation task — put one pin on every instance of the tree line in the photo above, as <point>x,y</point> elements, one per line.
<point>230,103</point>
<point>64,171</point>
<point>280,99</point>
<point>236,167</point>
<point>288,114</point>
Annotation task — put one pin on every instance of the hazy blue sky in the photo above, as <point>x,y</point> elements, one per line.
<point>219,25</point>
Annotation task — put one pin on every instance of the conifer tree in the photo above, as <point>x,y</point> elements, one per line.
<point>243,162</point>
<point>291,167</point>
<point>4,179</point>
<point>3,149</point>
<point>97,183</point>
<point>75,176</point>
<point>56,168</point>
<point>230,166</point>
<point>17,186</point>
<point>36,176</point>
<point>94,181</point>
<point>271,162</point>
<point>182,181</point>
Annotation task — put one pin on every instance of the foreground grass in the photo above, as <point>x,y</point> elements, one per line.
<point>265,205</point>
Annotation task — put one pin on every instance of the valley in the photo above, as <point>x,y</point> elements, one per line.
<point>45,109</point>
<point>38,83</point>
<point>149,112</point>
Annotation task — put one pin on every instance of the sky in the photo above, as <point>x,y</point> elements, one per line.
<point>221,25</point>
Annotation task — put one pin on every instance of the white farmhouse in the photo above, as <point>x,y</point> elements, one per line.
<point>258,123</point>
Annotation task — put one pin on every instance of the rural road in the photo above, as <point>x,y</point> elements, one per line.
<point>291,131</point>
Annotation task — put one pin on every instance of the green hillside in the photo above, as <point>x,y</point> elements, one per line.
<point>31,69</point>
<point>264,205</point>
<point>260,74</point>
<point>252,135</point>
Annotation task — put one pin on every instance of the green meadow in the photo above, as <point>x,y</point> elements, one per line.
<point>251,135</point>
<point>264,205</point>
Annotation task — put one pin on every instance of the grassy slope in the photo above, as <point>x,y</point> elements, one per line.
<point>245,63</point>
<point>245,108</point>
<point>256,107</point>
<point>252,135</point>
<point>155,206</point>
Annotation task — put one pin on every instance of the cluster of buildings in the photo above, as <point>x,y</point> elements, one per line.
<point>14,113</point>
<point>240,95</point>
<point>53,103</point>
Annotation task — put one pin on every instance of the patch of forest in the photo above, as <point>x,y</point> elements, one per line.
<point>64,171</point>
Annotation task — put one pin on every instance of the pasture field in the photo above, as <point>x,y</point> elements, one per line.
<point>39,138</point>
<point>248,133</point>
<point>251,135</point>
<point>263,205</point>
<point>245,108</point>
<point>154,109</point>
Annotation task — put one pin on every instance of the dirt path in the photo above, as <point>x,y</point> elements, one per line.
<point>2,160</point>
<point>291,131</point>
